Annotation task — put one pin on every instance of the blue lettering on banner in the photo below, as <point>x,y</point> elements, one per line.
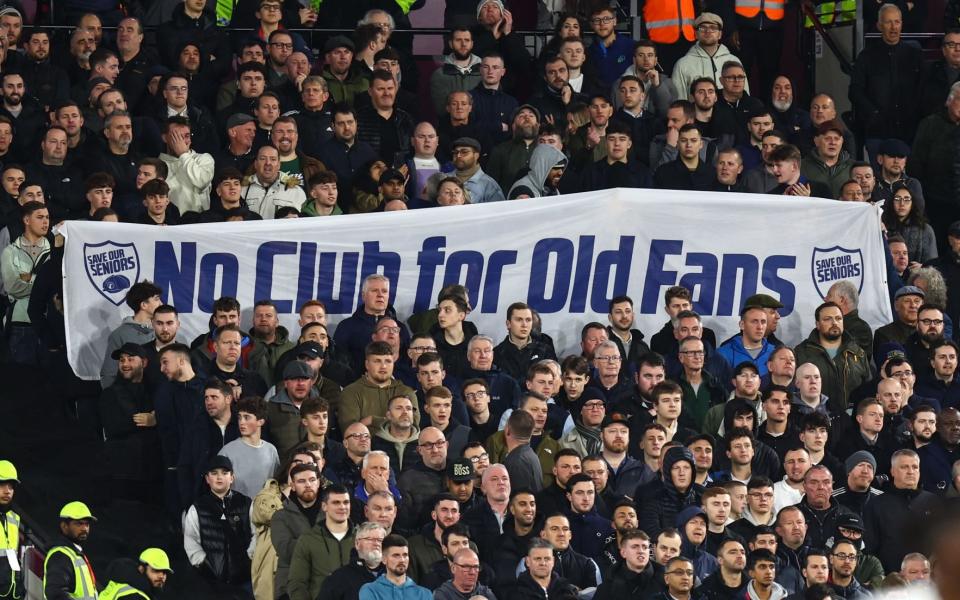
<point>715,282</point>
<point>830,265</point>
<point>565,275</point>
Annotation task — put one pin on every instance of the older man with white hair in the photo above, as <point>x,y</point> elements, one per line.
<point>486,520</point>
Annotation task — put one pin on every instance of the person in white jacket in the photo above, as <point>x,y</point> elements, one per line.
<point>705,58</point>
<point>189,173</point>
<point>269,188</point>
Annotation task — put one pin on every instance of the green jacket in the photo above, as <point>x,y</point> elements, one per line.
<point>346,90</point>
<point>272,352</point>
<point>362,398</point>
<point>840,376</point>
<point>309,209</point>
<point>316,555</point>
<point>546,452</point>
<point>814,169</point>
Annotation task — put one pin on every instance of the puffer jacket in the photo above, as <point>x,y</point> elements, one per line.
<point>842,374</point>
<point>266,199</point>
<point>660,502</point>
<point>451,78</point>
<point>273,351</point>
<point>263,566</point>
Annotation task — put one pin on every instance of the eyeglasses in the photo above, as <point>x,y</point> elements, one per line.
<point>694,353</point>
<point>928,322</point>
<point>479,457</point>
<point>609,359</point>
<point>681,572</point>
<point>475,395</point>
<point>602,20</point>
<point>389,329</point>
<point>594,405</point>
<point>379,540</point>
<point>269,7</point>
<point>845,557</point>
<point>423,348</point>
<point>951,45</point>
<point>902,374</point>
<point>902,199</point>
<point>282,45</point>
<point>462,151</point>
<point>468,567</point>
<point>433,445</point>
<point>359,436</point>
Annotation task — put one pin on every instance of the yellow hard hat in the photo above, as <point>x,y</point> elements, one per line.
<point>8,472</point>
<point>156,559</point>
<point>76,511</point>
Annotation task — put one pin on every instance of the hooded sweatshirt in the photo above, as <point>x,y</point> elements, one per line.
<point>544,158</point>
<point>697,63</point>
<point>704,563</point>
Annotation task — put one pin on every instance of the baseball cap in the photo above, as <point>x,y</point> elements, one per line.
<point>741,367</point>
<point>850,522</point>
<point>76,511</point>
<point>219,461</point>
<point>391,175</point>
<point>460,470</point>
<point>156,559</point>
<point>130,349</point>
<point>529,107</point>
<point>310,350</point>
<point>954,229</point>
<point>615,419</point>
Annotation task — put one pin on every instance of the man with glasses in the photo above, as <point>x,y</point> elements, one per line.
<point>929,331</point>
<point>735,106</point>
<point>345,582</point>
<point>356,443</point>
<point>466,154</point>
<point>941,75</point>
<point>679,579</point>
<point>843,562</point>
<point>705,58</point>
<point>701,390</point>
<point>424,480</point>
<point>613,388</point>
<point>610,52</point>
<point>465,568</point>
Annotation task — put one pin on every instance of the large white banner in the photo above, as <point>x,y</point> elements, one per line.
<point>566,256</point>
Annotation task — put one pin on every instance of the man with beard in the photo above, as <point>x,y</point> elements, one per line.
<point>345,80</point>
<point>937,457</point>
<point>787,116</point>
<point>214,427</point>
<point>394,582</point>
<point>297,517</point>
<point>922,425</point>
<point>47,82</point>
<point>466,160</point>
<point>460,70</point>
<point>285,136</point>
<point>166,326</point>
<point>67,570</point>
<point>367,565</point>
<point>621,332</point>
<point>118,160</point>
<point>547,165</point>
<point>943,385</point>
<point>508,158</point>
<point>518,530</point>
<point>27,116</point>
<point>843,364</point>
<point>11,581</point>
<point>930,326</point>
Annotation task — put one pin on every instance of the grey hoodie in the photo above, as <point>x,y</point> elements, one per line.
<point>543,158</point>
<point>128,331</point>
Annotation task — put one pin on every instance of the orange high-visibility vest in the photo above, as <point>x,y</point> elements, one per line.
<point>666,20</point>
<point>773,9</point>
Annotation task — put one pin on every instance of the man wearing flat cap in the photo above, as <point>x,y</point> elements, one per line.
<point>466,160</point>
<point>705,58</point>
<point>906,304</point>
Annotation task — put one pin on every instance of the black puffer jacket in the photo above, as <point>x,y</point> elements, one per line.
<point>661,501</point>
<point>883,90</point>
<point>621,583</point>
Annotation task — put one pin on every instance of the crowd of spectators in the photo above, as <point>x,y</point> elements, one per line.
<point>414,456</point>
